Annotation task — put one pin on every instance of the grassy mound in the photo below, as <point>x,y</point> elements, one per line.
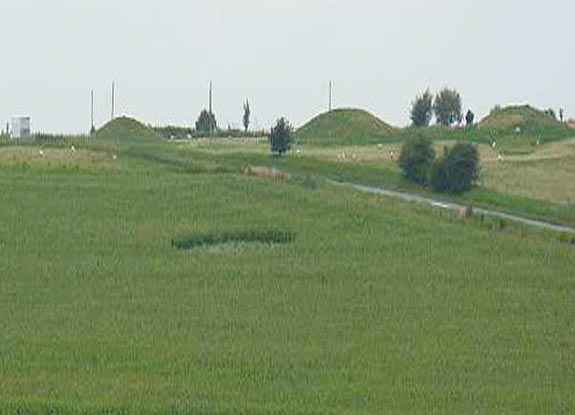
<point>345,126</point>
<point>524,120</point>
<point>127,130</point>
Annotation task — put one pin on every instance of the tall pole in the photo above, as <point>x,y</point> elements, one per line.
<point>330,95</point>
<point>113,98</point>
<point>210,97</point>
<point>92,110</point>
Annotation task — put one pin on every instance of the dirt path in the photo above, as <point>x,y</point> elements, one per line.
<point>410,197</point>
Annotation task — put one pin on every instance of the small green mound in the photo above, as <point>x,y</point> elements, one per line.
<point>204,240</point>
<point>345,126</point>
<point>524,120</point>
<point>127,130</point>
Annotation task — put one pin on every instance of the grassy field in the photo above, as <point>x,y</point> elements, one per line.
<point>371,306</point>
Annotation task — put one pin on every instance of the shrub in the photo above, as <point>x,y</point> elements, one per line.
<point>422,110</point>
<point>416,158</point>
<point>206,124</point>
<point>457,170</point>
<point>280,136</point>
<point>469,119</point>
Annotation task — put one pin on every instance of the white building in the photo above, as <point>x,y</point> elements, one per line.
<point>20,128</point>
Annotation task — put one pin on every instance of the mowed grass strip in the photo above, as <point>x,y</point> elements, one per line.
<point>375,308</point>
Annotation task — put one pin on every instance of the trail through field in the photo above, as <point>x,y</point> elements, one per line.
<point>440,204</point>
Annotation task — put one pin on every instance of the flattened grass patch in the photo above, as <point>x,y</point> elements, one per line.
<point>233,239</point>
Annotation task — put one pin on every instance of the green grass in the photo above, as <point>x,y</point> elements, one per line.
<point>375,307</point>
<point>344,126</point>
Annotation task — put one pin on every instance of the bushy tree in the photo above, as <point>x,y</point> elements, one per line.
<point>280,137</point>
<point>416,158</point>
<point>561,114</point>
<point>246,117</point>
<point>457,170</point>
<point>422,110</point>
<point>469,119</point>
<point>206,124</point>
<point>447,107</point>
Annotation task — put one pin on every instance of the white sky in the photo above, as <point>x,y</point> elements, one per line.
<point>281,54</point>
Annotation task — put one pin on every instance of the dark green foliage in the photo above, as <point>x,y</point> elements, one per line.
<point>447,107</point>
<point>246,117</point>
<point>422,110</point>
<point>551,113</point>
<point>206,124</point>
<point>92,130</point>
<point>469,119</point>
<point>280,137</point>
<point>416,158</point>
<point>457,170</point>
<point>561,114</point>
<point>272,236</point>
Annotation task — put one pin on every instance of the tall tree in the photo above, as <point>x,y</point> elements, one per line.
<point>422,110</point>
<point>246,118</point>
<point>447,107</point>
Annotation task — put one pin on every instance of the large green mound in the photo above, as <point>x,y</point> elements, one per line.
<point>524,119</point>
<point>127,130</point>
<point>345,126</point>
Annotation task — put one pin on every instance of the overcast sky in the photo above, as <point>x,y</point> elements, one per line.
<point>280,54</point>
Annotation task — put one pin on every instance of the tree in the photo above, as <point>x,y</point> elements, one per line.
<point>206,124</point>
<point>422,110</point>
<point>416,158</point>
<point>447,107</point>
<point>457,170</point>
<point>280,136</point>
<point>246,118</point>
<point>469,118</point>
<point>561,114</point>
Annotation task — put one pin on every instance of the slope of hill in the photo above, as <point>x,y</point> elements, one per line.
<point>127,130</point>
<point>344,126</point>
<point>524,120</point>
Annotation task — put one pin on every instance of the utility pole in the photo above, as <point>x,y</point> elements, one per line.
<point>211,113</point>
<point>113,98</point>
<point>210,98</point>
<point>330,88</point>
<point>92,110</point>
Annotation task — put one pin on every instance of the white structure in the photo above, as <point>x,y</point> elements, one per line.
<point>21,128</point>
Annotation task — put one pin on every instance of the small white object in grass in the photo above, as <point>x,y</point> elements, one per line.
<point>380,146</point>
<point>189,136</point>
<point>517,130</point>
<point>72,148</point>
<point>114,157</point>
<point>41,153</point>
<point>500,157</point>
<point>494,144</point>
<point>392,155</point>
<point>354,156</point>
<point>298,151</point>
<point>538,143</point>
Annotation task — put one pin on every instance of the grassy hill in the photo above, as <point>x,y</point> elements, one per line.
<point>529,121</point>
<point>344,126</point>
<point>127,130</point>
